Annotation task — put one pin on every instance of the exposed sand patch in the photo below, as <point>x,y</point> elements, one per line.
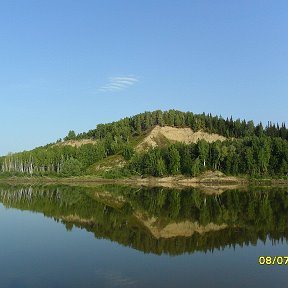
<point>173,134</point>
<point>76,143</point>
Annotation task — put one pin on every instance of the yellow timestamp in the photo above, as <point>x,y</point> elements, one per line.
<point>273,260</point>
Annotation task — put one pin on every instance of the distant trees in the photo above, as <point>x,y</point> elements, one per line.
<point>57,159</point>
<point>141,123</point>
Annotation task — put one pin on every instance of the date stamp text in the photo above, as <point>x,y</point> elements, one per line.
<point>273,260</point>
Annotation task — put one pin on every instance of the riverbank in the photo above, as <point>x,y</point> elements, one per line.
<point>208,179</point>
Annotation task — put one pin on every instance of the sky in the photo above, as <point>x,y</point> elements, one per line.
<point>70,65</point>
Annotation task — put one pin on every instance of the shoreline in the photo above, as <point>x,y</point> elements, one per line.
<point>208,179</point>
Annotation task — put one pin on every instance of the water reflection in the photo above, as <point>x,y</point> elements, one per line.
<point>158,220</point>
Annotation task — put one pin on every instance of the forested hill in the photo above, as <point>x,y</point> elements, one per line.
<point>141,123</point>
<point>240,148</point>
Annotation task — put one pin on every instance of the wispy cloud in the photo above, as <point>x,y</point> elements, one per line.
<point>118,83</point>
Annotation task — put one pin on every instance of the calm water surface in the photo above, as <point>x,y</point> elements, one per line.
<point>110,236</point>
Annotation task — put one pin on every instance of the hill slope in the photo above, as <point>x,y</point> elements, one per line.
<point>180,142</point>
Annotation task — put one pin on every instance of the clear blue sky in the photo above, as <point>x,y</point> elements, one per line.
<point>68,64</point>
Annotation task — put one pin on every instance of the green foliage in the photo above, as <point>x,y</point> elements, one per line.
<point>251,156</point>
<point>203,151</point>
<point>71,167</point>
<point>195,168</point>
<point>71,135</point>
<point>160,169</point>
<point>173,158</point>
<point>128,152</point>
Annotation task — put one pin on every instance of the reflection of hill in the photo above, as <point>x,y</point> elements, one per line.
<point>180,229</point>
<point>158,220</point>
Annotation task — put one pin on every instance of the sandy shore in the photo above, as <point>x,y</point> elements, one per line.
<point>215,182</point>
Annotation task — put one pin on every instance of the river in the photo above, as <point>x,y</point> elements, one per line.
<point>117,236</point>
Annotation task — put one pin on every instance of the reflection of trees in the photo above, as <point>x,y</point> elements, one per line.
<point>264,208</point>
<point>248,216</point>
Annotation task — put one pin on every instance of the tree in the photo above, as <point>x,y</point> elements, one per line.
<point>173,160</point>
<point>71,167</point>
<point>160,169</point>
<point>215,154</point>
<point>203,150</point>
<point>186,160</point>
<point>195,168</point>
<point>249,159</point>
<point>128,152</point>
<point>71,135</point>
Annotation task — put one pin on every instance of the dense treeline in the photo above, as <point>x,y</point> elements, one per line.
<point>249,149</point>
<point>252,155</point>
<point>57,159</point>
<point>213,124</point>
<point>141,123</point>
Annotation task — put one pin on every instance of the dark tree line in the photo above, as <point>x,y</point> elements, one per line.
<point>254,156</point>
<point>141,123</point>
